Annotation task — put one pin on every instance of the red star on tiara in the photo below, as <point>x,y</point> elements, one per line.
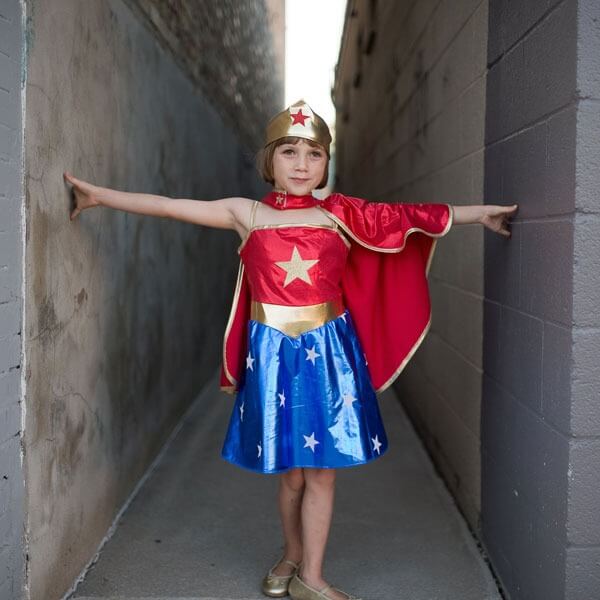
<point>299,117</point>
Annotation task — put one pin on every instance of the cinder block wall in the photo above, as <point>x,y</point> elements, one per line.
<point>582,548</point>
<point>410,91</point>
<point>541,415</point>
<point>124,314</point>
<point>11,301</point>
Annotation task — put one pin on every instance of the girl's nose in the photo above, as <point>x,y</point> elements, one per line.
<point>301,162</point>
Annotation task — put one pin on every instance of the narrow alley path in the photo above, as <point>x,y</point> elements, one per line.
<point>202,529</point>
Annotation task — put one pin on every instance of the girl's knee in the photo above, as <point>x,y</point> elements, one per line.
<point>294,479</point>
<point>319,477</point>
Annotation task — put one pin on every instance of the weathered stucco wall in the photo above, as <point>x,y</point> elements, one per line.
<point>11,301</point>
<point>124,314</point>
<point>410,91</point>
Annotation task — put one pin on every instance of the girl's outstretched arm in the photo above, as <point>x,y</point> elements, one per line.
<point>227,213</point>
<point>493,216</point>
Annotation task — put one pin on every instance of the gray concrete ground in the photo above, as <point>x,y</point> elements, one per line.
<point>201,528</point>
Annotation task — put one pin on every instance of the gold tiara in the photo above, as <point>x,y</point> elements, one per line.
<point>299,120</point>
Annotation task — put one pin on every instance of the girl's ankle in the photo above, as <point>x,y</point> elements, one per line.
<point>313,581</point>
<point>283,567</point>
<point>293,556</point>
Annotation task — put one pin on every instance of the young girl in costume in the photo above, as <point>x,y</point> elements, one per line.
<point>331,302</point>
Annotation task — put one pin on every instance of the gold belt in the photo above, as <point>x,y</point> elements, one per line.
<point>294,320</point>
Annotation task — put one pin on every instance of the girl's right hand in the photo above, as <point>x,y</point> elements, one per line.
<point>84,193</point>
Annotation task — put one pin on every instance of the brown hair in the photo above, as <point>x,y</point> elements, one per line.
<point>264,158</point>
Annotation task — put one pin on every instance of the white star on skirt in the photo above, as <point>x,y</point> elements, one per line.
<point>282,399</point>
<point>310,441</point>
<point>311,354</point>
<point>376,444</point>
<point>250,362</point>
<point>259,450</point>
<point>242,411</point>
<point>348,399</point>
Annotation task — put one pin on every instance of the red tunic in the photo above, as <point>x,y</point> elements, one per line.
<point>381,276</point>
<point>294,265</point>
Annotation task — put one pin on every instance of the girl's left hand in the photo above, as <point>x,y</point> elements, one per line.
<point>83,192</point>
<point>496,217</point>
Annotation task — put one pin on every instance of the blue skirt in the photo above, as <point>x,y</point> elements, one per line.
<point>305,401</point>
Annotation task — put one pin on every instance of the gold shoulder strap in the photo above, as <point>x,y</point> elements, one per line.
<point>253,213</point>
<point>333,221</point>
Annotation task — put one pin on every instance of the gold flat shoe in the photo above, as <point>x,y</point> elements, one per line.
<point>276,586</point>
<point>302,591</point>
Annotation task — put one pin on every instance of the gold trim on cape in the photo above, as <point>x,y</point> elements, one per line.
<point>390,250</point>
<point>421,337</point>
<point>406,358</point>
<point>236,296</point>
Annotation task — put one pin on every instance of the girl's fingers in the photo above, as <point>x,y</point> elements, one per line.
<point>72,180</point>
<point>498,218</point>
<point>502,230</point>
<point>506,210</point>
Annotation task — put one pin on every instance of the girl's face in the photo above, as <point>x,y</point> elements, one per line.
<point>299,168</point>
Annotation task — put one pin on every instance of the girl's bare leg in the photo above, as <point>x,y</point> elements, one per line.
<point>317,510</point>
<point>291,490</point>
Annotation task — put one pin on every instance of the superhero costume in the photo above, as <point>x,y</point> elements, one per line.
<point>323,318</point>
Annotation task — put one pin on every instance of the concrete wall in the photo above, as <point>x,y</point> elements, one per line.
<point>541,417</point>
<point>248,37</point>
<point>410,91</point>
<point>11,300</point>
<point>124,314</point>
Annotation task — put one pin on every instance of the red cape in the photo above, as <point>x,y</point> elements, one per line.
<point>384,285</point>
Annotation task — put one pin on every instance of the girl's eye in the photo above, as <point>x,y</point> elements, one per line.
<point>317,154</point>
<point>288,151</point>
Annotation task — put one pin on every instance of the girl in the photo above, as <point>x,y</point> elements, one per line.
<point>331,302</point>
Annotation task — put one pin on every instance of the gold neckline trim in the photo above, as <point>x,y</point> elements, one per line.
<point>284,225</point>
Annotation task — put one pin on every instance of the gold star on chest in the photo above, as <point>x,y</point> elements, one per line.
<point>296,268</point>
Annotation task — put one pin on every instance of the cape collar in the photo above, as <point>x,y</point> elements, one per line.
<point>283,200</point>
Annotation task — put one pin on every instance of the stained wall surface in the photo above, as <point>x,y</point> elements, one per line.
<point>124,314</point>
<point>11,301</point>
<point>410,92</point>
